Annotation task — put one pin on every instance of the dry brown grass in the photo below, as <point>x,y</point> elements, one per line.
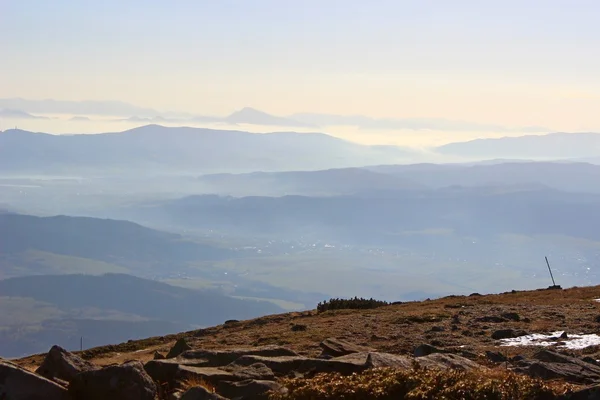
<point>395,328</point>
<point>421,384</point>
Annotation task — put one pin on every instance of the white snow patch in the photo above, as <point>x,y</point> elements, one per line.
<point>573,342</point>
<point>598,300</point>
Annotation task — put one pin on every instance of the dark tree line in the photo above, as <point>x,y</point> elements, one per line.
<point>352,304</point>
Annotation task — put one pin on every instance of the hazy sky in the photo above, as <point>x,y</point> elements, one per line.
<point>510,62</point>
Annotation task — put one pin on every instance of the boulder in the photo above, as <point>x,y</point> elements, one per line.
<point>336,348</point>
<point>200,393</point>
<point>249,389</point>
<point>258,371</point>
<point>60,364</point>
<point>179,347</point>
<point>16,383</point>
<point>377,360</point>
<point>507,334</point>
<point>495,356</point>
<point>425,350</point>
<point>115,382</point>
<point>159,356</point>
<point>286,365</point>
<point>547,364</point>
<point>447,361</point>
<point>220,358</point>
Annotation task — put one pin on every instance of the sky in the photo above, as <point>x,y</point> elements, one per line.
<point>513,62</point>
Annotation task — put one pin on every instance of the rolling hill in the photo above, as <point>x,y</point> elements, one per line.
<point>42,245</point>
<point>107,308</point>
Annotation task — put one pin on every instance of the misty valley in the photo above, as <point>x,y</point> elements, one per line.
<point>119,236</point>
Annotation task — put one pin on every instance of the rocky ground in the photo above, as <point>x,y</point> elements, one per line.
<point>246,359</point>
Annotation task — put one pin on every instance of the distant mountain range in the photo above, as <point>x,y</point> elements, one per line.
<point>153,149</point>
<point>106,309</point>
<point>383,217</point>
<point>550,146</point>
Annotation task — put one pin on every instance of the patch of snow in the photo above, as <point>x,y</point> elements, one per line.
<point>598,300</point>
<point>573,342</point>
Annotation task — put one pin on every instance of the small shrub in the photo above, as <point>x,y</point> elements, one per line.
<point>350,304</point>
<point>420,384</point>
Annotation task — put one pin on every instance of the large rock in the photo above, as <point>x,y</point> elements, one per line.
<point>507,334</point>
<point>547,364</point>
<point>17,383</point>
<point>179,347</point>
<point>204,374</point>
<point>258,371</point>
<point>333,347</point>
<point>425,350</point>
<point>116,382</point>
<point>447,361</point>
<point>249,389</point>
<point>377,360</point>
<point>220,358</point>
<point>200,393</point>
<point>61,364</point>
<point>285,365</point>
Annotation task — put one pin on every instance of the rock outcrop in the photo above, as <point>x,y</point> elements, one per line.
<point>63,365</point>
<point>17,383</point>
<point>116,382</point>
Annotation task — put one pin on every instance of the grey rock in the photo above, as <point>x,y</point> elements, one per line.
<point>60,364</point>
<point>219,358</point>
<point>447,361</point>
<point>336,348</point>
<point>547,364</point>
<point>258,371</point>
<point>16,383</point>
<point>179,347</point>
<point>116,382</point>
<point>507,334</point>
<point>495,356</point>
<point>425,350</point>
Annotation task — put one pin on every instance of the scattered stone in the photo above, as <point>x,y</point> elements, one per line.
<point>200,393</point>
<point>425,350</point>
<point>298,327</point>
<point>548,365</point>
<point>179,347</point>
<point>16,383</point>
<point>231,321</point>
<point>491,318</point>
<point>511,316</point>
<point>159,356</point>
<point>249,389</point>
<point>60,364</point>
<point>377,360</point>
<point>283,366</point>
<point>206,374</point>
<point>475,295</point>
<point>115,382</point>
<point>336,348</point>
<point>564,335</point>
<point>507,334</point>
<point>437,329</point>
<point>495,356</point>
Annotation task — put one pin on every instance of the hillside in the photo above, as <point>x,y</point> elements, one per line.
<point>158,150</point>
<point>38,311</point>
<point>308,183</point>
<point>470,333</point>
<point>30,244</point>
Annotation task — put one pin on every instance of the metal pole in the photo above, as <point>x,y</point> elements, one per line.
<point>81,343</point>
<point>549,269</point>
